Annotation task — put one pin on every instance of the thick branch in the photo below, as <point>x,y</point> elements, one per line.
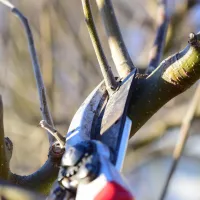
<point>118,49</point>
<point>173,76</point>
<point>59,138</point>
<point>157,49</point>
<point>36,68</point>
<point>43,179</point>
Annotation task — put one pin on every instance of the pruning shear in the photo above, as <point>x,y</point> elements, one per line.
<point>98,135</point>
<point>96,144</point>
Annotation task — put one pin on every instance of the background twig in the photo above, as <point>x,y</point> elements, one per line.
<point>156,52</point>
<point>118,49</point>
<point>105,68</point>
<point>183,136</point>
<point>40,85</point>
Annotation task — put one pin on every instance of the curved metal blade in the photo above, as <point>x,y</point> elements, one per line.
<point>81,124</point>
<point>112,119</point>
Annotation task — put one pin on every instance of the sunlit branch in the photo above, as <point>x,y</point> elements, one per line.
<point>106,70</point>
<point>118,49</point>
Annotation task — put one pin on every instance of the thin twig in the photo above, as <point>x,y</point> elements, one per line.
<point>156,52</point>
<point>53,132</point>
<point>105,69</point>
<point>118,49</point>
<point>40,85</point>
<point>183,136</point>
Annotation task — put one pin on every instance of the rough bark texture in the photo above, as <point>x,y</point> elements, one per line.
<point>173,76</point>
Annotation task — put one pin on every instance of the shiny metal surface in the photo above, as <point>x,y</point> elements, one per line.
<point>123,144</point>
<point>80,127</point>
<point>111,120</point>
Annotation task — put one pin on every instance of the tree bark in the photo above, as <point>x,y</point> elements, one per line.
<point>172,77</point>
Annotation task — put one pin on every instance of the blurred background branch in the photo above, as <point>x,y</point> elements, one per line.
<point>183,136</point>
<point>156,52</point>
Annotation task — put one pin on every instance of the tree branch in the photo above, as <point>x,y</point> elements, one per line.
<point>157,49</point>
<point>173,76</point>
<point>36,68</point>
<point>40,84</point>
<point>105,69</point>
<point>43,179</point>
<point>118,49</point>
<point>183,136</point>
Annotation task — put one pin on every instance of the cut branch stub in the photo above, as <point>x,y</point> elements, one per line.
<point>42,179</point>
<point>59,138</point>
<point>36,68</point>
<point>183,136</point>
